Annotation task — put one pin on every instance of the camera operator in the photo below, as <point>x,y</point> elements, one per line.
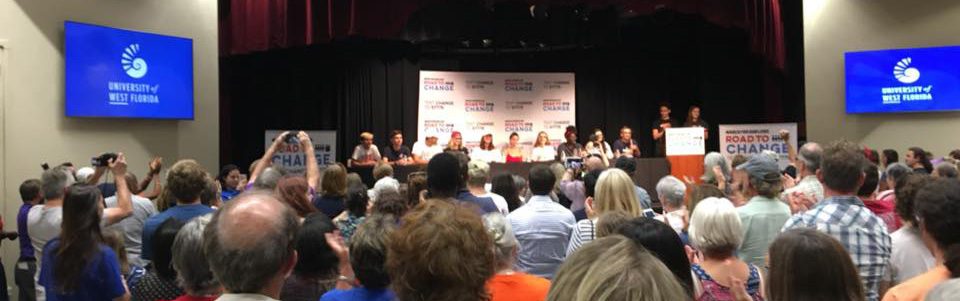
<point>572,183</point>
<point>306,145</point>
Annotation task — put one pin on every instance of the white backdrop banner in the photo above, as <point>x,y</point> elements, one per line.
<point>291,158</point>
<point>478,103</point>
<point>749,139</point>
<point>685,141</point>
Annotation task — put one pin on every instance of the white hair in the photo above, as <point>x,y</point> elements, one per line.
<point>671,190</point>
<point>715,226</point>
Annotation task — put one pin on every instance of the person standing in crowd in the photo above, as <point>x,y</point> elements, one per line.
<point>808,265</point>
<point>917,160</point>
<point>229,179</point>
<point>661,240</point>
<point>185,181</point>
<point>597,146</point>
<point>271,175</point>
<point>844,216</point>
<point>366,153</point>
<point>626,146</point>
<point>31,195</point>
<point>888,156</point>
<point>446,180</point>
<point>486,151</point>
<point>945,170</point>
<point>160,281</point>
<point>911,256</point>
<point>629,166</point>
<point>715,231</point>
<point>293,191</point>
<point>508,283</point>
<point>808,163</point>
<point>424,150</point>
<point>193,271</point>
<point>660,126</point>
<point>440,252</point>
<point>938,212</point>
<point>572,183</point>
<point>694,120</point>
<point>671,192</point>
<point>132,227</point>
<point>542,226</point>
<point>614,192</point>
<point>333,189</point>
<point>542,150</point>
<point>321,258</point>
<point>368,254</point>
<point>763,215</point>
<point>249,245</point>
<point>478,174</point>
<point>893,174</point>
<point>868,194</point>
<point>456,144</point>
<point>396,152</point>
<point>570,148</point>
<point>513,153</point>
<point>716,172</point>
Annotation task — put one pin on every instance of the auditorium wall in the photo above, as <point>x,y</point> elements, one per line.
<point>34,127</point>
<point>834,27</point>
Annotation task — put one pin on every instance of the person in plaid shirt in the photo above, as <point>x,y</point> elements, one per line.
<point>845,217</point>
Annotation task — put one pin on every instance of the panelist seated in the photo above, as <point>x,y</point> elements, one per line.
<point>456,144</point>
<point>486,151</point>
<point>365,154</point>
<point>396,152</point>
<point>542,150</point>
<point>626,146</point>
<point>513,153</point>
<point>424,150</point>
<point>596,146</point>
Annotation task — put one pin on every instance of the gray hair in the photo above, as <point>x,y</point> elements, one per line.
<point>946,170</point>
<point>504,241</point>
<point>947,290</point>
<point>671,190</point>
<point>811,155</point>
<point>897,171</point>
<point>269,178</point>
<point>477,172</point>
<point>55,182</point>
<point>715,226</point>
<point>193,272</point>
<point>249,240</point>
<point>709,161</point>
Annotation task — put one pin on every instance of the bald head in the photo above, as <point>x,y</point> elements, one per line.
<point>593,163</point>
<point>810,154</point>
<point>249,243</point>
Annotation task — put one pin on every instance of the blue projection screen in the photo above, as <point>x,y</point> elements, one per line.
<point>903,80</point>
<point>121,73</point>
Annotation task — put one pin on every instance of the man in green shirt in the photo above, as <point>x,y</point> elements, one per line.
<point>764,214</point>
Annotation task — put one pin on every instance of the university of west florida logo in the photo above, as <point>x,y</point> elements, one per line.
<point>904,73</point>
<point>132,63</point>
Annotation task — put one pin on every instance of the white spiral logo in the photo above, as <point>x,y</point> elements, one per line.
<point>135,66</point>
<point>904,73</point>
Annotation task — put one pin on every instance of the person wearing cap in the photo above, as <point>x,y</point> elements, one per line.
<point>570,148</point>
<point>365,154</point>
<point>456,144</point>
<point>424,150</point>
<point>763,215</point>
<point>486,151</point>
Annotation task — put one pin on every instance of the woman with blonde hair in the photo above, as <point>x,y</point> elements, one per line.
<point>614,192</point>
<point>614,268</point>
<point>542,150</point>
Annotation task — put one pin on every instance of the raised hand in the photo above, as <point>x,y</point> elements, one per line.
<point>118,166</point>
<point>155,165</point>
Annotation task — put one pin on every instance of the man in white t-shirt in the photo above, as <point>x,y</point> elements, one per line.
<point>424,150</point>
<point>365,154</point>
<point>478,173</point>
<point>132,228</point>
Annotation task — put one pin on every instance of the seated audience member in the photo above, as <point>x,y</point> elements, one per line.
<point>597,146</point>
<point>937,208</point>
<point>160,282</point>
<point>446,179</point>
<point>715,230</point>
<point>365,154</point>
<point>486,151</point>
<point>572,183</point>
<point>319,261</point>
<point>416,187</point>
<point>440,252</point>
<point>456,144</point>
<point>333,188</point>
<point>368,253</point>
<point>390,203</point>
<point>671,192</point>
<point>185,181</point>
<point>809,158</point>
<point>193,271</point>
<point>614,192</point>
<point>132,227</point>
<point>347,222</point>
<point>229,178</point>
<point>590,185</point>
<point>293,191</point>
<point>868,194</point>
<point>608,223</point>
<point>79,265</point>
<point>478,173</point>
<point>424,150</point>
<point>614,268</point>
<point>524,189</point>
<point>626,146</point>
<point>918,160</point>
<point>808,265</point>
<point>571,148</point>
<point>542,150</point>
<point>31,193</point>
<point>845,217</point>
<point>910,255</point>
<point>355,182</point>
<point>509,284</point>
<point>383,175</point>
<point>396,152</point>
<point>249,245</point>
<point>945,170</point>
<point>559,171</point>
<point>271,175</point>
<point>514,152</point>
<point>629,165</point>
<point>542,226</point>
<point>763,215</point>
<point>665,244</point>
<point>713,162</point>
<point>504,186</point>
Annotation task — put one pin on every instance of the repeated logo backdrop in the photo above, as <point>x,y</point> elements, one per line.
<point>478,103</point>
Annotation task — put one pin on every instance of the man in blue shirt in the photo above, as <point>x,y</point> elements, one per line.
<point>27,263</point>
<point>542,227</point>
<point>446,179</point>
<point>186,180</point>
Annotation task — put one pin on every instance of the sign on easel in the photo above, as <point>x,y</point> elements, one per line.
<point>685,141</point>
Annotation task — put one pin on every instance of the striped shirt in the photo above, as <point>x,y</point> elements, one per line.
<point>862,233</point>
<point>584,232</point>
<point>543,228</point>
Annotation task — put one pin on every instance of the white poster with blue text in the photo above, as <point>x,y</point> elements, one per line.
<point>750,139</point>
<point>290,156</point>
<point>479,103</point>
